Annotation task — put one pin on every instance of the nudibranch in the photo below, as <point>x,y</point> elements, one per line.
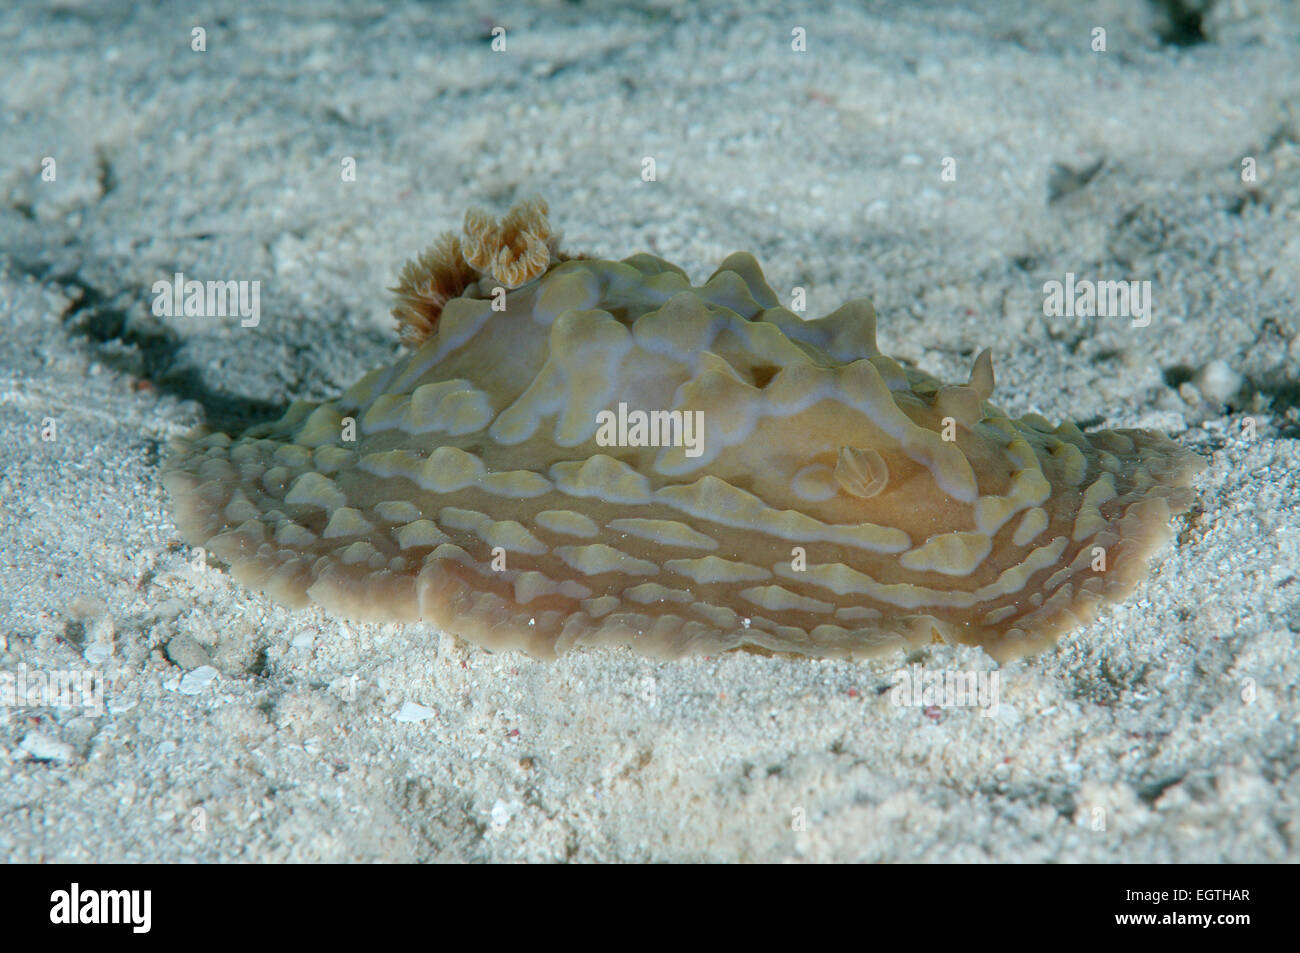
<point>577,452</point>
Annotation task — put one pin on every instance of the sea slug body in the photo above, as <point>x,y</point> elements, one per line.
<point>833,502</point>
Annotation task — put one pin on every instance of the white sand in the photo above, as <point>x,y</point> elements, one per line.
<point>1172,719</point>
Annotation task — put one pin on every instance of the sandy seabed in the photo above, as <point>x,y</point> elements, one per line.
<point>233,729</point>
